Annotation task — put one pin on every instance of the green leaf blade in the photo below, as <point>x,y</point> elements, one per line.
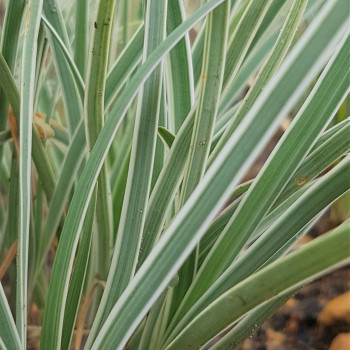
<point>323,254</point>
<point>33,13</point>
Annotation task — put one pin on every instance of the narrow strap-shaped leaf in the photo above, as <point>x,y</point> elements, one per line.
<point>66,180</point>
<point>187,228</point>
<point>276,212</point>
<point>125,24</point>
<point>78,276</point>
<point>8,331</point>
<point>124,65</point>
<point>329,133</point>
<point>317,111</point>
<point>202,133</point>
<point>31,30</point>
<point>73,67</point>
<point>159,153</point>
<point>166,187</point>
<point>266,72</point>
<point>197,54</point>
<point>9,44</point>
<point>259,49</point>
<point>39,155</point>
<point>252,322</point>
<point>237,10</point>
<point>166,136</point>
<point>119,171</point>
<point>149,335</point>
<point>242,37</point>
<point>71,93</point>
<point>214,231</point>
<point>334,144</point>
<point>248,68</point>
<point>134,341</point>
<point>140,170</point>
<point>94,114</point>
<point>272,14</point>
<point>13,203</point>
<point>179,70</point>
<point>323,198</point>
<point>54,15</point>
<point>323,254</point>
<point>69,170</point>
<point>170,176</point>
<point>70,233</point>
<point>81,35</point>
<point>222,123</point>
<point>218,225</point>
<point>312,202</point>
<point>5,136</point>
<point>64,256</point>
<point>9,87</point>
<point>119,188</point>
<point>41,70</point>
<point>318,160</point>
<point>97,72</point>
<point>209,95</point>
<point>37,223</point>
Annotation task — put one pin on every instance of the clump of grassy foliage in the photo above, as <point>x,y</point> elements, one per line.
<point>123,144</point>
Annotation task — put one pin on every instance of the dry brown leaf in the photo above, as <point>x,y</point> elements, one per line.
<point>55,125</point>
<point>43,129</point>
<point>8,258</point>
<point>14,129</point>
<point>337,309</point>
<point>341,342</point>
<point>302,241</point>
<point>83,309</point>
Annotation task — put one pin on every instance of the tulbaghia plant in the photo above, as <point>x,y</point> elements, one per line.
<point>127,129</point>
